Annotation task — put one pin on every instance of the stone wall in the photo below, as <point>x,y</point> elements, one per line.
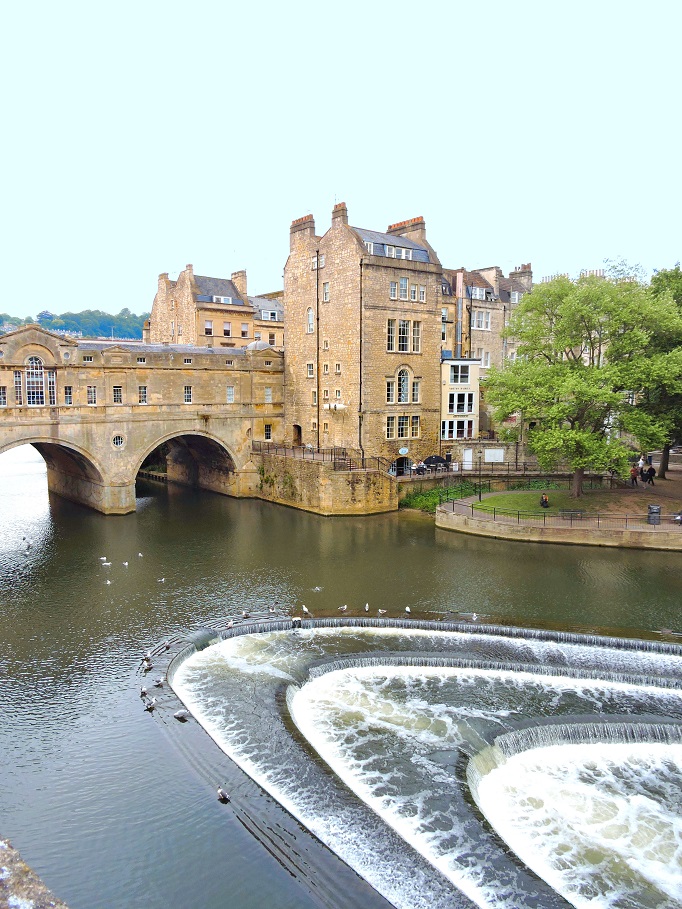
<point>316,486</point>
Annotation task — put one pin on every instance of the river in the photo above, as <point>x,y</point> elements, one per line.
<point>116,810</point>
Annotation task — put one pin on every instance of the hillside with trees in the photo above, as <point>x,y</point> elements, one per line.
<point>91,323</point>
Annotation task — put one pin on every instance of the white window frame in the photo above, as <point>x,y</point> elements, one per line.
<point>229,394</point>
<point>459,374</point>
<point>325,291</point>
<point>403,426</point>
<point>91,395</point>
<point>413,293</point>
<point>267,431</point>
<point>245,329</point>
<point>422,293</point>
<point>403,288</point>
<point>309,321</point>
<point>142,394</point>
<point>416,337</point>
<point>117,394</point>
<point>416,388</point>
<point>68,395</point>
<point>3,396</point>
<point>390,427</point>
<point>390,335</point>
<point>393,290</point>
<point>390,391</point>
<point>415,426</point>
<point>227,329</point>
<point>208,328</point>
<point>404,336</point>
<point>187,394</point>
<point>310,370</point>
<point>267,391</point>
<point>478,293</point>
<point>403,386</point>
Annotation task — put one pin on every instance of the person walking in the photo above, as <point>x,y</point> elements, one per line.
<point>633,476</point>
<point>650,474</point>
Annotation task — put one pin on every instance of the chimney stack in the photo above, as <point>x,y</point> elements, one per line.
<point>340,214</point>
<point>239,281</point>
<point>301,229</point>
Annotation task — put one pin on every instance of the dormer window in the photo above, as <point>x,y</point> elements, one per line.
<point>370,247</point>
<point>478,293</point>
<point>269,315</point>
<point>225,300</point>
<point>515,296</point>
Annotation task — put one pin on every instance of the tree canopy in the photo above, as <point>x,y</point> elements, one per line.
<point>91,323</point>
<point>584,358</point>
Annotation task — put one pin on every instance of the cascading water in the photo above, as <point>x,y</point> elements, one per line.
<point>386,738</point>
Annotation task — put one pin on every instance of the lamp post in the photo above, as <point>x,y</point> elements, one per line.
<point>480,475</point>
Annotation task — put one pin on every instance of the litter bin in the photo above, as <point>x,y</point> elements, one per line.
<point>654,515</point>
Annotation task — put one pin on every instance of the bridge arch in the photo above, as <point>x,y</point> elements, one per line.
<point>195,458</point>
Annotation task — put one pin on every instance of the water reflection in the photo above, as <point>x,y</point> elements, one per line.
<point>101,798</point>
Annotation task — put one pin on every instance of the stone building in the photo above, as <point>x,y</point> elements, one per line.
<point>212,312</point>
<point>492,299</point>
<point>363,323</point>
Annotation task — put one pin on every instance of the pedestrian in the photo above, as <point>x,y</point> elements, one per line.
<point>641,462</point>
<point>642,474</point>
<point>544,500</point>
<point>633,475</point>
<point>650,474</point>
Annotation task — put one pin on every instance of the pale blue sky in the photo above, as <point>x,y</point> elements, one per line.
<point>142,136</point>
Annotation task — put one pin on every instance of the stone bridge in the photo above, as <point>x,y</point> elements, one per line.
<point>96,410</point>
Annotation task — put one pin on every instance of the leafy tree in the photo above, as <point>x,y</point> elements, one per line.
<point>663,396</point>
<point>583,356</point>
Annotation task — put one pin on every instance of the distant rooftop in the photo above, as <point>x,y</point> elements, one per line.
<point>381,241</point>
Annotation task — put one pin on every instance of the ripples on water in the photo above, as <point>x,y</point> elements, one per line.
<point>115,808</point>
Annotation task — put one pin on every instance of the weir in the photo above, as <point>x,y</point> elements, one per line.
<point>346,721</point>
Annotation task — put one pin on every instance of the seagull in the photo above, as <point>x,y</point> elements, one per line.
<point>317,589</point>
<point>139,555</point>
<point>166,646</point>
<point>246,615</point>
<point>147,665</point>
<point>343,608</point>
<point>182,715</point>
<point>143,692</point>
<point>230,624</point>
<point>158,683</point>
<point>125,564</point>
<point>108,582</point>
<point>147,655</point>
<point>223,796</point>
<point>407,609</point>
<point>366,607</point>
<point>161,580</point>
<point>106,564</point>
<point>474,616</point>
<point>150,705</point>
<point>382,612</point>
<point>305,609</point>
<point>102,558</point>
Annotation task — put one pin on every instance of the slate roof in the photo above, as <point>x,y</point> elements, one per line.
<point>217,287</point>
<point>139,348</point>
<point>265,303</point>
<point>381,241</point>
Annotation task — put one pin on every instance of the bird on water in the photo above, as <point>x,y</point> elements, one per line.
<point>222,795</point>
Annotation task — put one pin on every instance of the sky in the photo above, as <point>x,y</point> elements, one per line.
<point>142,136</point>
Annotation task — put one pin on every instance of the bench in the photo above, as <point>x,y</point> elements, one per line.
<point>571,515</point>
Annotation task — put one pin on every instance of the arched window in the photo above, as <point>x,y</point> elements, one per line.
<point>309,321</point>
<point>35,382</point>
<point>403,386</point>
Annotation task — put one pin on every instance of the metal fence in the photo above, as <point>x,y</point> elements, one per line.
<point>562,518</point>
<point>340,458</point>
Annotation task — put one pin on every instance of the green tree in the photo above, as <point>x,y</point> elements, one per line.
<point>584,355</point>
<point>663,396</point>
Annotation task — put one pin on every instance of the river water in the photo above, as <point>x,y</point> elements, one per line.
<point>116,808</point>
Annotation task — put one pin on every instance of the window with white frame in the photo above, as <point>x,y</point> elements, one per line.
<point>256,336</point>
<point>415,391</point>
<point>268,363</point>
<point>118,394</point>
<point>208,327</point>
<point>3,396</point>
<point>35,382</point>
<point>422,293</point>
<point>269,315</point>
<point>325,292</point>
<point>227,329</point>
<point>402,290</point>
<point>337,369</point>
<point>459,374</point>
<point>413,292</point>
<point>390,335</point>
<point>337,394</point>
<point>268,394</point>
<point>325,344</point>
<point>271,338</point>
<point>313,397</point>
<point>325,394</point>
<point>403,335</point>
<point>325,369</point>
<point>403,427</point>
<point>245,329</point>
<point>310,370</point>
<point>68,394</point>
<point>229,362</point>
<point>141,360</point>
<point>390,391</point>
<point>318,262</point>
<point>87,358</point>
<point>403,386</point>
<point>18,389</point>
<point>390,252</point>
<point>309,321</point>
<point>325,427</point>
<point>188,394</point>
<point>515,297</point>
<point>51,387</point>
<point>416,337</point>
<point>268,431</point>
<point>187,361</point>
<point>91,392</point>
<point>483,356</point>
<point>481,319</point>
<point>478,293</point>
<point>461,402</point>
<point>313,425</point>
<point>393,290</point>
<point>141,394</point>
<point>457,429</point>
<point>390,427</point>
<point>415,428</point>
<point>230,394</point>
<point>370,247</point>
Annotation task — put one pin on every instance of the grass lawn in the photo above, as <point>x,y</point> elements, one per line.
<point>559,499</point>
